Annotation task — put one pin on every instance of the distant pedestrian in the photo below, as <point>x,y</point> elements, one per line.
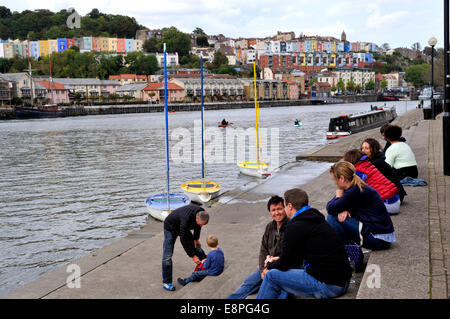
<point>357,212</point>
<point>399,155</point>
<point>311,241</point>
<point>213,264</point>
<point>270,247</point>
<point>180,223</point>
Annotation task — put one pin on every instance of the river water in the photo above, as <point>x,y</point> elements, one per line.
<point>72,185</point>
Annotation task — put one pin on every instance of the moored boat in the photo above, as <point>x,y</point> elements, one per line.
<point>46,111</point>
<point>346,125</point>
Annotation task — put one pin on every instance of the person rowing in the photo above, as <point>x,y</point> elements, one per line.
<point>224,122</point>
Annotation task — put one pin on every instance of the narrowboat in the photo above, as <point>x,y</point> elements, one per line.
<point>346,125</point>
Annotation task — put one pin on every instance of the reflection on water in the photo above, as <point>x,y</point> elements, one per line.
<point>72,185</point>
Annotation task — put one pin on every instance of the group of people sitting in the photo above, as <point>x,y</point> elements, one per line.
<point>302,253</point>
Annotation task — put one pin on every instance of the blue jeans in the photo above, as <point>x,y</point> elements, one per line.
<point>250,286</point>
<point>169,243</point>
<point>277,284</point>
<point>197,276</point>
<point>349,231</point>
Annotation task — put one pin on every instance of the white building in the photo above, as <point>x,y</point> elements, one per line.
<point>172,59</point>
<point>359,76</point>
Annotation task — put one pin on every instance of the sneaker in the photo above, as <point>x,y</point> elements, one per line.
<point>169,287</point>
<point>182,281</point>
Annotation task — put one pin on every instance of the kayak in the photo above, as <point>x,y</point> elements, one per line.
<point>221,125</point>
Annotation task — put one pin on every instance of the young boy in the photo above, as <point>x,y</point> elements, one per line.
<point>213,264</point>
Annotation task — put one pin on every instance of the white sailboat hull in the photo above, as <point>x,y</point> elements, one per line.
<point>254,172</point>
<point>201,198</point>
<point>158,214</point>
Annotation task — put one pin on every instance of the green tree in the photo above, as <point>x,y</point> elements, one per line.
<point>341,85</point>
<point>370,86</point>
<point>150,45</point>
<point>416,74</point>
<point>351,86</point>
<point>219,60</point>
<point>176,41</point>
<point>383,84</point>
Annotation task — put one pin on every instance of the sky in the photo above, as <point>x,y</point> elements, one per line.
<point>400,23</point>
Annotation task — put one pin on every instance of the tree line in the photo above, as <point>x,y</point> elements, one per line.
<point>44,24</point>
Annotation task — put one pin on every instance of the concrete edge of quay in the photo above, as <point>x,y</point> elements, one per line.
<point>130,267</point>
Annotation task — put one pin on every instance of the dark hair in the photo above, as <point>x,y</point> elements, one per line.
<point>393,133</point>
<point>353,156</point>
<point>275,200</point>
<point>203,216</point>
<point>383,128</point>
<point>374,145</point>
<point>297,197</point>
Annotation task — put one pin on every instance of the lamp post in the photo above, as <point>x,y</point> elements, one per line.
<point>446,118</point>
<point>432,42</point>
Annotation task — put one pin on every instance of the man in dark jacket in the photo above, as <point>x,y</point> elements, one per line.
<point>308,240</point>
<point>270,246</point>
<point>180,222</point>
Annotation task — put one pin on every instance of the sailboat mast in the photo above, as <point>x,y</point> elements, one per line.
<point>256,112</point>
<point>52,86</point>
<point>29,71</point>
<point>166,111</point>
<point>203,123</point>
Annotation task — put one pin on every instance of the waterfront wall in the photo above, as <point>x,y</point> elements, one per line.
<point>8,113</point>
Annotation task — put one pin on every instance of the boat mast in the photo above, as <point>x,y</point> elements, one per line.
<point>52,86</point>
<point>203,122</point>
<point>167,127</point>
<point>256,112</point>
<point>29,71</point>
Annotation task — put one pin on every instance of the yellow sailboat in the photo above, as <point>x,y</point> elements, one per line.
<point>256,168</point>
<point>201,191</point>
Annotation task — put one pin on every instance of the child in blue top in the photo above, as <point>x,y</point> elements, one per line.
<point>212,266</point>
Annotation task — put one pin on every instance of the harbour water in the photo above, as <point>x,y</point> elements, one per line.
<point>72,185</point>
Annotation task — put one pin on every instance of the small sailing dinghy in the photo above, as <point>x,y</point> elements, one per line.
<point>256,168</point>
<point>161,205</point>
<point>201,191</point>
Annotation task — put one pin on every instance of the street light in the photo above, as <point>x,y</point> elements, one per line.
<point>446,118</point>
<point>432,43</point>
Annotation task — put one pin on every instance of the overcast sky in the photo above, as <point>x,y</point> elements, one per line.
<point>397,22</point>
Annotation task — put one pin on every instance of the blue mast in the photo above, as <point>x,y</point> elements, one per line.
<point>166,107</point>
<point>203,125</point>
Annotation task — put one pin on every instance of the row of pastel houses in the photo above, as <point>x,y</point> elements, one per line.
<point>36,49</point>
<point>43,90</point>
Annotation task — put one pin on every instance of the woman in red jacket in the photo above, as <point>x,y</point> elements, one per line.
<point>372,177</point>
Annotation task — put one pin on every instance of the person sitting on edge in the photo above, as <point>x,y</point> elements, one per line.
<point>357,212</point>
<point>270,247</point>
<point>399,155</point>
<point>212,266</point>
<point>388,144</point>
<point>372,148</point>
<point>311,241</point>
<point>372,177</point>
<point>180,222</point>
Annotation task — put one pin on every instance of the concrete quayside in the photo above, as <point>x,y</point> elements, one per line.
<point>131,266</point>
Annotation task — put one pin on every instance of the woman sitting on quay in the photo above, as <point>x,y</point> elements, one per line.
<point>372,177</point>
<point>372,148</point>
<point>357,212</point>
<point>399,155</point>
